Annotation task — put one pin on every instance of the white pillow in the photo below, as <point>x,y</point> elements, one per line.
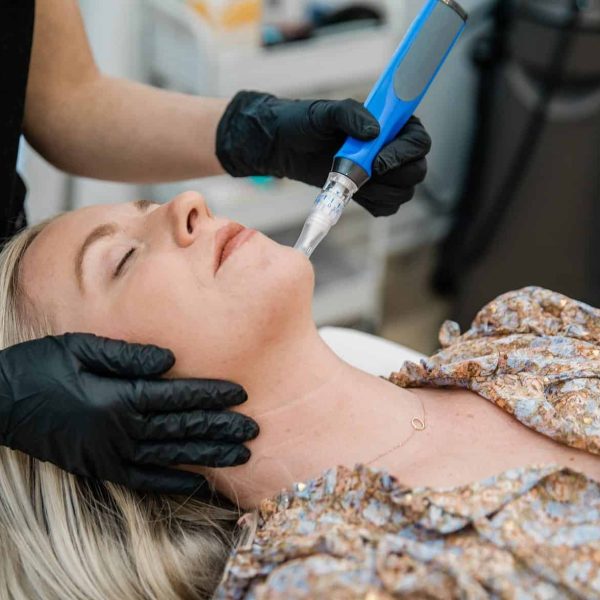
<point>368,352</point>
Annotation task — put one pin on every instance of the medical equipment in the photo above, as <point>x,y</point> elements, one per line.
<point>392,101</point>
<point>529,210</point>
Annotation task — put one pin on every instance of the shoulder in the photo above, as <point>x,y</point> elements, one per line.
<point>538,311</point>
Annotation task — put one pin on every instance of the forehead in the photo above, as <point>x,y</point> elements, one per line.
<point>48,267</point>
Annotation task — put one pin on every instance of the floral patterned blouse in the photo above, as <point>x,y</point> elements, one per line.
<point>532,532</point>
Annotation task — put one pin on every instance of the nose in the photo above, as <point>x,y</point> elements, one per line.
<point>187,212</point>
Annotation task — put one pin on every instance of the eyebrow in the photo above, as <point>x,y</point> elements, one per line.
<point>101,232</point>
<point>144,205</point>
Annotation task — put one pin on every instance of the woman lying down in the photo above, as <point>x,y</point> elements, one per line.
<point>478,469</point>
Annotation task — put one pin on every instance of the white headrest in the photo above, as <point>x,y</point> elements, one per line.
<point>368,352</point>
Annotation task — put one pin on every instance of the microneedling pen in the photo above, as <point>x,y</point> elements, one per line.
<point>392,102</point>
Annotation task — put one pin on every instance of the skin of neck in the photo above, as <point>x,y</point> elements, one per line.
<point>315,411</point>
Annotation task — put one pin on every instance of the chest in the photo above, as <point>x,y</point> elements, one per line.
<point>468,439</point>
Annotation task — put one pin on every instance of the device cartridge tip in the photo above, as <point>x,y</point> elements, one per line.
<point>326,212</point>
<point>316,227</point>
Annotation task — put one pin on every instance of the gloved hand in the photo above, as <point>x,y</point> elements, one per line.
<point>260,134</point>
<point>95,407</point>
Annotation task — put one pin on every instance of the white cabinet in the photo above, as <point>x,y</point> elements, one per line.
<point>183,53</point>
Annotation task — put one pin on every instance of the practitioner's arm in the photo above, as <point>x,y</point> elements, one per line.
<point>92,125</point>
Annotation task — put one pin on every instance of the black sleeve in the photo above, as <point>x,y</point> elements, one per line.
<point>16,36</point>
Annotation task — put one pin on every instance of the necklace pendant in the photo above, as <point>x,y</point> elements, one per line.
<point>418,424</point>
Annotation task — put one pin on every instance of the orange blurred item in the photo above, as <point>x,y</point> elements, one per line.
<point>228,14</point>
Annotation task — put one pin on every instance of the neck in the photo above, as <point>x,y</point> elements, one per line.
<point>315,412</point>
<point>290,372</point>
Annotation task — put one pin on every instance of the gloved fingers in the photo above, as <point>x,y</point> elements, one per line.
<point>383,200</point>
<point>176,395</point>
<point>160,480</point>
<point>408,175</point>
<point>116,358</point>
<point>317,169</point>
<point>189,452</point>
<point>411,144</point>
<point>348,116</point>
<point>219,426</point>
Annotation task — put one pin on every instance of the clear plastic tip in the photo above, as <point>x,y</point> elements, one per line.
<point>328,208</point>
<point>313,233</point>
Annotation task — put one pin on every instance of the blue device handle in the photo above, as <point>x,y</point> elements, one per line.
<point>404,83</point>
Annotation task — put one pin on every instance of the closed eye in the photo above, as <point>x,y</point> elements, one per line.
<point>122,262</point>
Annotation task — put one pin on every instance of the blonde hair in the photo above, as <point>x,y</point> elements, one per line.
<point>66,538</point>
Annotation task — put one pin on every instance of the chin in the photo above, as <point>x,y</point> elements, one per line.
<point>287,282</point>
<point>296,271</point>
<point>276,265</point>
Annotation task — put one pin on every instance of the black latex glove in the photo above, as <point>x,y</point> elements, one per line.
<point>95,407</point>
<point>260,134</point>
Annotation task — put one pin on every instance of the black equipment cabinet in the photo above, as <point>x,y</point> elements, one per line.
<point>530,214</point>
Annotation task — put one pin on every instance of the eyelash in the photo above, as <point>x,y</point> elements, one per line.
<point>122,262</point>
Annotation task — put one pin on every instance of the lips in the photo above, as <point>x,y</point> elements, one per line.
<point>228,239</point>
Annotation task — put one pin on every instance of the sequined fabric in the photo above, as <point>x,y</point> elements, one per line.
<point>533,353</point>
<point>528,533</point>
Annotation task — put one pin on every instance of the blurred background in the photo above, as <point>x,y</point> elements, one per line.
<point>512,196</point>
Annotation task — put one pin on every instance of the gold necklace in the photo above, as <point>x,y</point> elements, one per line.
<point>417,423</point>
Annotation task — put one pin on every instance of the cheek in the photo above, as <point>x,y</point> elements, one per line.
<point>211,324</point>
<point>167,303</point>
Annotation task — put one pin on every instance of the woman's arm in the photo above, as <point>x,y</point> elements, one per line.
<point>96,126</point>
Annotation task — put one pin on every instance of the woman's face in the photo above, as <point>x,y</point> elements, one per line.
<point>172,275</point>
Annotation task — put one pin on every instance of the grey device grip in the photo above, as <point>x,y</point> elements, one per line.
<point>427,52</point>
